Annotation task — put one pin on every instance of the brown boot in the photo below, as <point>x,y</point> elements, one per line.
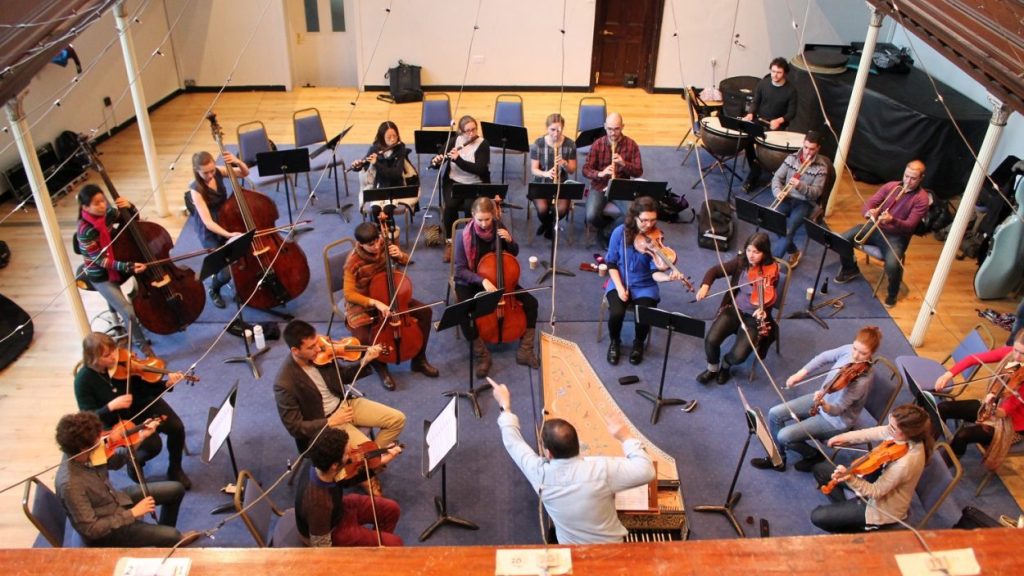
<point>526,355</point>
<point>447,252</point>
<point>482,358</point>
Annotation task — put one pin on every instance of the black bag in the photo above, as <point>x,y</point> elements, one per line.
<point>67,145</point>
<point>672,205</point>
<point>405,83</point>
<point>972,518</point>
<point>715,228</point>
<point>938,217</point>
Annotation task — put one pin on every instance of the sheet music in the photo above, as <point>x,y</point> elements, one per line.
<point>442,434</point>
<point>633,499</point>
<point>763,434</point>
<point>220,426</point>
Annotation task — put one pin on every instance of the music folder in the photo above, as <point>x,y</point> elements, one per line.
<point>756,422</point>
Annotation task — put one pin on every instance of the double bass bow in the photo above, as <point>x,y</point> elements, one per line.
<point>168,297</point>
<point>508,321</point>
<point>398,333</point>
<point>275,270</point>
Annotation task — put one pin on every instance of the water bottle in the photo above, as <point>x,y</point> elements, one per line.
<point>257,332</point>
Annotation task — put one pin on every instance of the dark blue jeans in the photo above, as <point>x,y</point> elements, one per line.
<point>795,211</point>
<point>893,256</point>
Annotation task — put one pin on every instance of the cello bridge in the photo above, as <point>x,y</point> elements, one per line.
<point>163,281</point>
<point>261,251</point>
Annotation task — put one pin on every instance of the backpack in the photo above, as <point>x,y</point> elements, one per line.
<point>68,145</point>
<point>405,84</point>
<point>671,205</point>
<point>715,227</point>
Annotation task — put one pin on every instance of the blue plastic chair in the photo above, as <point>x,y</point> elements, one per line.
<point>46,512</point>
<point>253,140</point>
<point>310,134</point>
<point>508,110</point>
<point>937,481</point>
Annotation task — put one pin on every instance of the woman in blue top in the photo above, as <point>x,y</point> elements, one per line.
<point>634,276</point>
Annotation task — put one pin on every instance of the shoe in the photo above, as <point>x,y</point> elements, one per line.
<point>190,537</point>
<point>542,228</point>
<point>216,298</point>
<point>526,355</point>
<point>794,259</point>
<point>706,376</point>
<point>808,464</point>
<point>421,365</point>
<point>636,355</point>
<point>724,375</point>
<point>765,464</point>
<point>845,276</point>
<point>482,357</point>
<point>889,302</point>
<point>613,352</point>
<point>549,232</point>
<point>386,380</point>
<point>447,252</point>
<point>176,474</point>
<point>748,186</point>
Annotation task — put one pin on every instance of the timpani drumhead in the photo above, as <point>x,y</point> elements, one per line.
<point>721,141</point>
<point>773,148</point>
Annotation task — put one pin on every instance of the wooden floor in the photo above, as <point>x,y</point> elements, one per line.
<point>36,390</point>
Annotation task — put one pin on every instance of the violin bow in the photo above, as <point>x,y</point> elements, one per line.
<point>132,457</point>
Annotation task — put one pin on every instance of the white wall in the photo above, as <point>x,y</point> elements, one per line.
<point>82,109</point>
<point>212,36</point>
<point>517,43</point>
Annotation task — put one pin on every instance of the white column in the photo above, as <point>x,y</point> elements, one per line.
<point>141,112</point>
<point>41,195</point>
<point>853,110</point>
<point>963,216</point>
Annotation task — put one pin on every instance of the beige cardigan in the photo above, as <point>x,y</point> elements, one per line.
<point>890,495</point>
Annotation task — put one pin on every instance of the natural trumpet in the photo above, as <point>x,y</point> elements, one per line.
<point>869,227</point>
<point>789,185</point>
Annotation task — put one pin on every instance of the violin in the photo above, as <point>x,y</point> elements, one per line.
<point>847,374</point>
<point>997,388</point>
<point>150,369</point>
<point>508,321</point>
<point>401,337</point>
<point>651,243</point>
<point>365,456</point>
<point>347,349</point>
<point>121,435</point>
<point>884,453</point>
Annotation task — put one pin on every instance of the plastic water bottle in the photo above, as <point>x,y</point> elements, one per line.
<point>257,332</point>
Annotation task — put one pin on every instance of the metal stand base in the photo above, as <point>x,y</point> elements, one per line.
<point>250,359</point>
<point>727,511</point>
<point>809,313</point>
<point>659,403</point>
<point>444,518</point>
<point>471,395</point>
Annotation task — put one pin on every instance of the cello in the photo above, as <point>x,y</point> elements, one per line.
<point>275,271</point>
<point>168,297</point>
<point>508,321</point>
<point>398,333</point>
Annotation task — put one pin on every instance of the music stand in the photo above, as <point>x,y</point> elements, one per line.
<point>474,191</point>
<point>673,322</point>
<point>218,433</point>
<point>753,130</point>
<point>755,426</point>
<point>509,137</point>
<point>462,314</point>
<point>927,400</point>
<point>629,190</point>
<point>547,191</point>
<point>332,144</point>
<point>761,216</point>
<point>829,241</point>
<point>588,137</point>
<point>286,162</point>
<point>440,436</point>
<point>431,142</point>
<point>214,262</point>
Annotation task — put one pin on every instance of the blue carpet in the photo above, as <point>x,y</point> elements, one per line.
<point>483,484</point>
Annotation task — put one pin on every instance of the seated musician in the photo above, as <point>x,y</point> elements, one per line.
<point>95,233</point>
<point>310,397</point>
<point>633,276</point>
<point>325,516</point>
<point>468,162</point>
<point>554,147</point>
<point>578,493</point>
<point>207,193</point>
<point>837,411</point>
<point>774,106</point>
<point>1005,411</point>
<point>385,161</point>
<point>888,497</point>
<point>476,241</point>
<point>804,174</point>
<point>898,212</point>
<point>613,155</point>
<point>746,269</point>
<point>117,399</point>
<point>365,261</point>
<point>101,514</point>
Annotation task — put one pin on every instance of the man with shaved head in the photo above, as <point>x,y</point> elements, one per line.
<point>613,155</point>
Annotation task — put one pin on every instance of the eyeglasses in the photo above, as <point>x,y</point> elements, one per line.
<point>646,220</point>
<point>613,128</point>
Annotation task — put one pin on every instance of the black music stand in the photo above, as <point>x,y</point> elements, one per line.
<point>432,142</point>
<point>474,191</point>
<point>218,433</point>
<point>332,145</point>
<point>588,137</point>
<point>440,436</point>
<point>509,137</point>
<point>547,191</point>
<point>744,127</point>
<point>462,314</point>
<point>761,216</point>
<point>286,162</point>
<point>755,426</point>
<point>673,322</point>
<point>629,190</point>
<point>829,240</point>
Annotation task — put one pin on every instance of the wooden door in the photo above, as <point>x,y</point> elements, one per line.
<point>626,42</point>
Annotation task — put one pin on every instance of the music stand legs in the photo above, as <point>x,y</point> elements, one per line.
<point>250,356</point>
<point>809,311</point>
<point>472,393</point>
<point>443,517</point>
<point>733,497</point>
<point>553,268</point>
<point>659,401</point>
<point>339,209</point>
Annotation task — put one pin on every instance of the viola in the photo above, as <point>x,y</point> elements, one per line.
<point>884,453</point>
<point>365,456</point>
<point>400,337</point>
<point>123,434</point>
<point>997,389</point>
<point>168,297</point>
<point>275,270</point>
<point>652,244</point>
<point>847,374</point>
<point>347,349</point>
<point>151,369</point>
<point>767,276</point>
<point>508,321</point>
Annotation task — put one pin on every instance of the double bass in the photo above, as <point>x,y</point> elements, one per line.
<point>508,321</point>
<point>398,333</point>
<point>282,262</point>
<point>168,297</point>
